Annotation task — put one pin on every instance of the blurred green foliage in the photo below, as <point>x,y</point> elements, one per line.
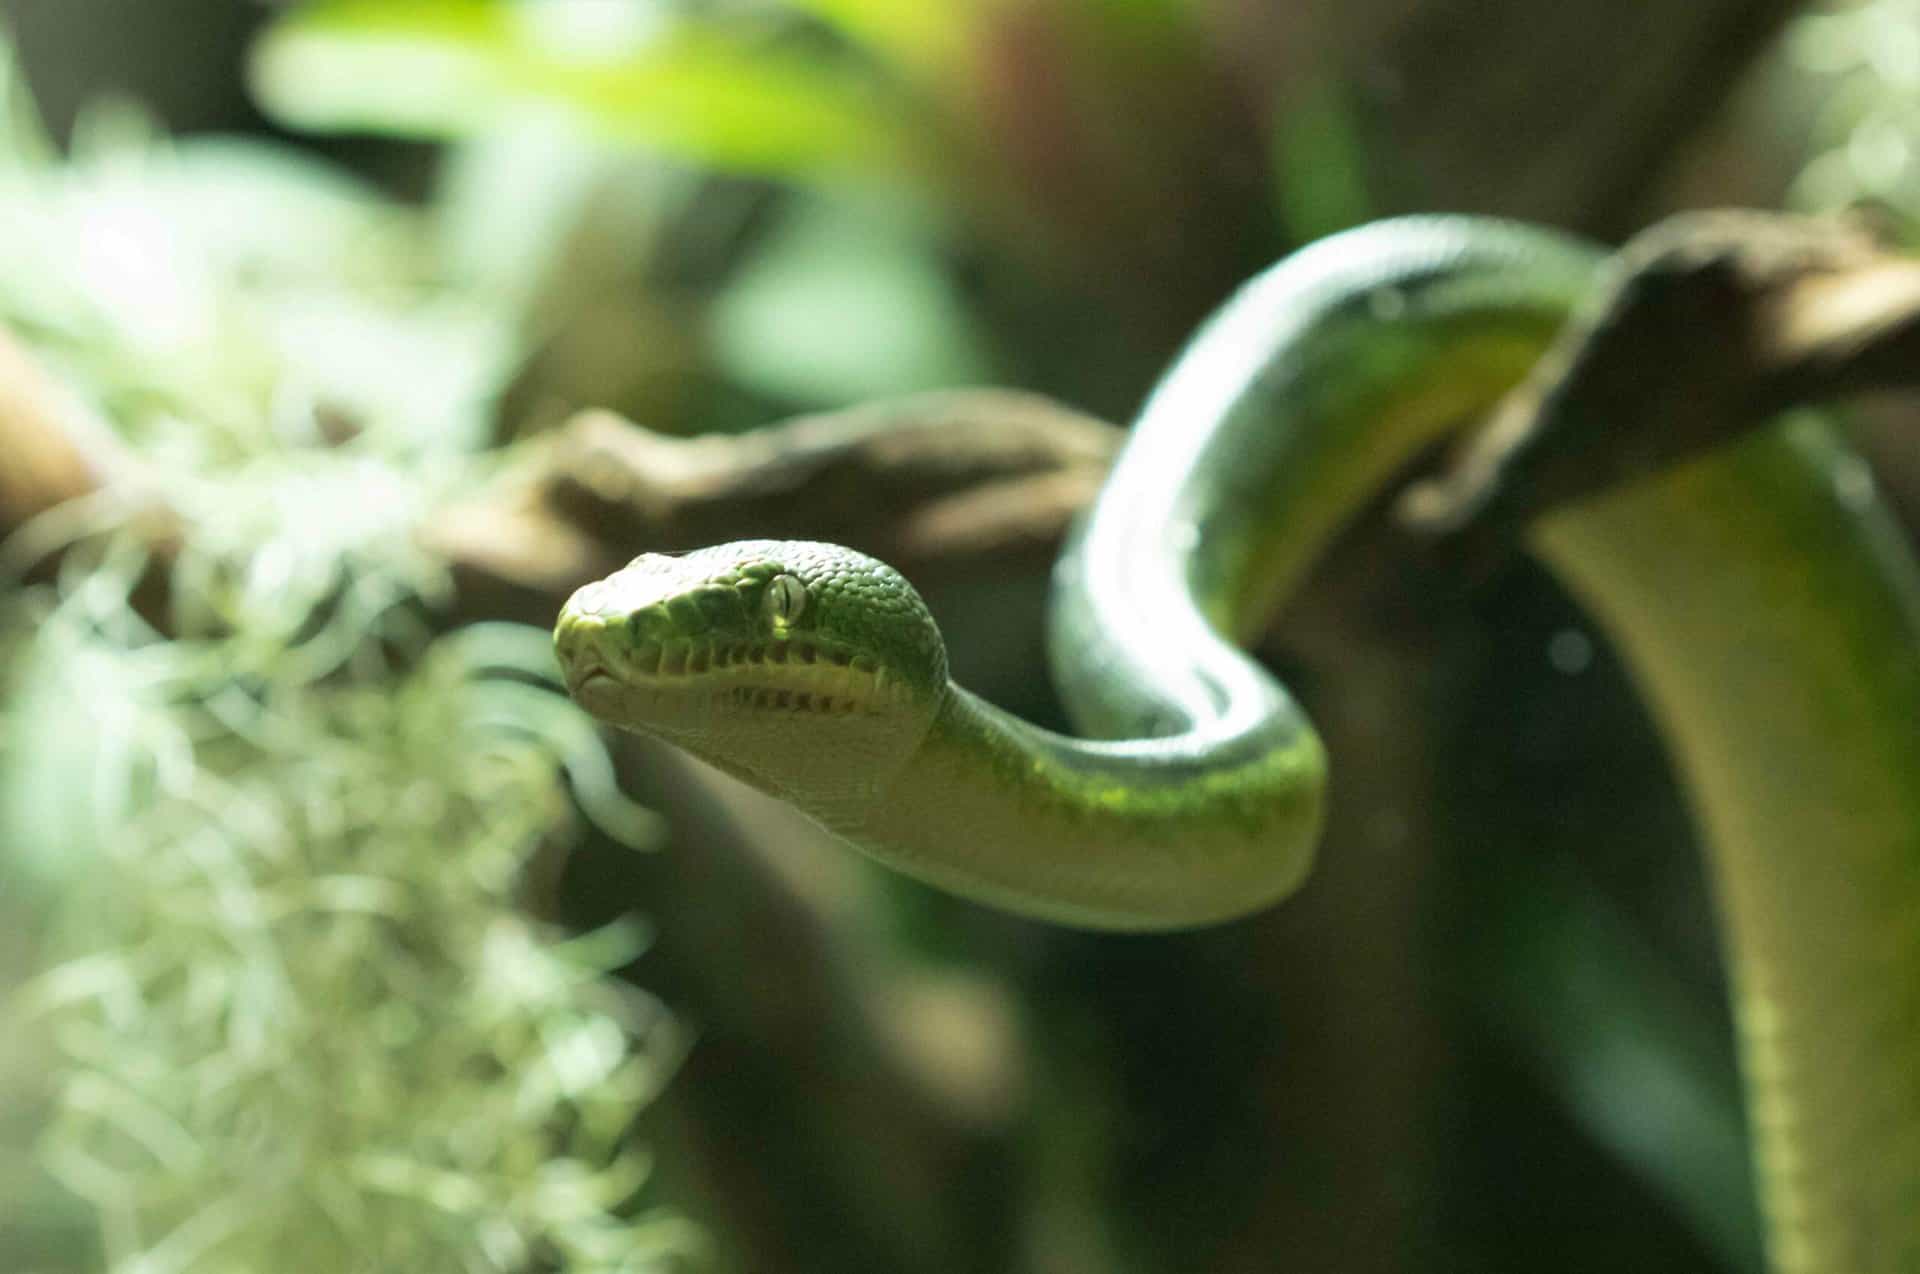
<point>1860,67</point>
<point>1058,148</point>
<point>449,68</point>
<point>273,990</point>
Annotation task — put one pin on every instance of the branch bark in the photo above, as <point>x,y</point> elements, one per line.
<point>51,450</point>
<point>936,484</point>
<point>1706,326</point>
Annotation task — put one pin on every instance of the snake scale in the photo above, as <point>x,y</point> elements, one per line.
<point>1764,602</point>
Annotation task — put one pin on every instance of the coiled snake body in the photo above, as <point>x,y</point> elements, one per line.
<point>1767,607</point>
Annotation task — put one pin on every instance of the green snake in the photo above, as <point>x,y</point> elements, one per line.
<point>1764,601</point>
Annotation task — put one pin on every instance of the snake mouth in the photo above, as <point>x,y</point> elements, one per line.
<point>784,676</point>
<point>591,681</point>
<point>597,674</point>
<point>580,667</point>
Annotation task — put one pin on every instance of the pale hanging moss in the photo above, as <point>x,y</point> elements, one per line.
<point>299,1006</point>
<point>270,983</point>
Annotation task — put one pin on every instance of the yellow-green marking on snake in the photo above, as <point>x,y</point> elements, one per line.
<point>1767,607</point>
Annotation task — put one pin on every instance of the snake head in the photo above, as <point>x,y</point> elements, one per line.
<point>808,669</point>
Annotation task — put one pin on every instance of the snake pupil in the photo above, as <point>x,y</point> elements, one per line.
<point>786,597</point>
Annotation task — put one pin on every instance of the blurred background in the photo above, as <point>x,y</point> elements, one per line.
<point>335,938</point>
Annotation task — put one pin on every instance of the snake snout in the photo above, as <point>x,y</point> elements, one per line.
<point>576,644</point>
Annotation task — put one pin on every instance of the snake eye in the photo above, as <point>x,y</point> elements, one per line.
<point>784,599</point>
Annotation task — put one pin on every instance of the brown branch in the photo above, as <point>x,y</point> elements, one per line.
<point>1707,326</point>
<point>1704,327</point>
<point>935,484</point>
<point>51,451</point>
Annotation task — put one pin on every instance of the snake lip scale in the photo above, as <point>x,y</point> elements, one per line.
<point>715,659</point>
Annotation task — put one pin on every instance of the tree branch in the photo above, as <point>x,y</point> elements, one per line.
<point>1706,326</point>
<point>51,450</point>
<point>936,484</point>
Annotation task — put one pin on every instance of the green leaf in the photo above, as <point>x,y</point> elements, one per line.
<point>448,68</point>
<point>415,67</point>
<point>927,40</point>
<point>738,108</point>
<point>845,303</point>
<point>1319,163</point>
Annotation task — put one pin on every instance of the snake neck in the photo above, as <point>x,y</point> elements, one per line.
<point>1107,835</point>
